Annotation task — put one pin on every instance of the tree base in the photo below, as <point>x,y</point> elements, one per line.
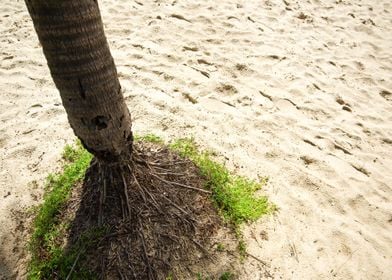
<point>151,218</point>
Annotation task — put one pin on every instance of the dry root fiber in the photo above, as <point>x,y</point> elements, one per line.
<point>159,219</point>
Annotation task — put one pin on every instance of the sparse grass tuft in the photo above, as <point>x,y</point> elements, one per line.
<point>234,195</point>
<point>241,246</point>
<point>72,153</point>
<point>152,138</point>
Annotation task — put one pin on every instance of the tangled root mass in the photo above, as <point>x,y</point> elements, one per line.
<point>158,217</point>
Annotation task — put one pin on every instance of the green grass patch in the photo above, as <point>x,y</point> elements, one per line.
<point>47,255</point>
<point>234,195</point>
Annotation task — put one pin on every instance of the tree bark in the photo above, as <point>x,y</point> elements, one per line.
<point>74,44</point>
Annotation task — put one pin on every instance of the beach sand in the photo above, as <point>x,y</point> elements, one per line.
<point>299,91</point>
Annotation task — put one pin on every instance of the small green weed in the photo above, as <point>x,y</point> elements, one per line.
<point>220,247</point>
<point>226,276</point>
<point>200,276</point>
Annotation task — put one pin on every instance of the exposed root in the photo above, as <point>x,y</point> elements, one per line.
<point>179,184</point>
<point>73,266</point>
<point>161,221</point>
<point>102,196</point>
<point>126,198</point>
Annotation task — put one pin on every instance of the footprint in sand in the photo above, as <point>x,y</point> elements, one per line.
<point>203,61</point>
<point>323,143</point>
<point>192,49</point>
<point>189,98</point>
<point>245,101</point>
<point>387,95</point>
<point>3,139</point>
<point>243,69</point>
<point>307,160</point>
<point>345,106</point>
<point>214,41</point>
<point>359,65</point>
<point>227,89</point>
<point>361,169</point>
<point>24,151</point>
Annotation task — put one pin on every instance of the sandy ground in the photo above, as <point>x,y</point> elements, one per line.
<point>300,91</point>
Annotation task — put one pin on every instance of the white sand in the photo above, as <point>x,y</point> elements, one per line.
<point>300,91</point>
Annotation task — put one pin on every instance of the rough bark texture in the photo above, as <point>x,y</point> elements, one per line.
<point>73,40</point>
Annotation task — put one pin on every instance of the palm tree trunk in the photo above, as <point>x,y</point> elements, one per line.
<point>73,40</point>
